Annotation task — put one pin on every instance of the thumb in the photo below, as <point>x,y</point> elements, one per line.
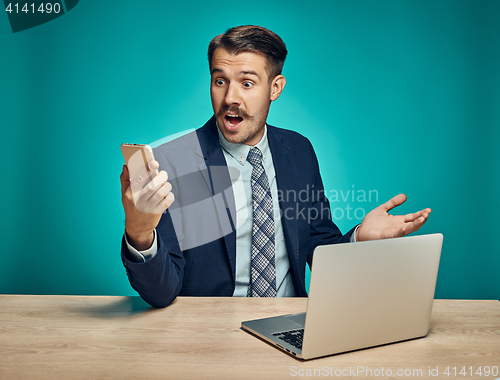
<point>124,179</point>
<point>394,202</point>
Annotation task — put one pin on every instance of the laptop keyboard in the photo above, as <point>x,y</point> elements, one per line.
<point>293,337</point>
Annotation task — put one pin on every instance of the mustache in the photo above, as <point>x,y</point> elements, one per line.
<point>233,109</point>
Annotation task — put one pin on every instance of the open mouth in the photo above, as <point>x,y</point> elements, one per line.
<point>233,120</point>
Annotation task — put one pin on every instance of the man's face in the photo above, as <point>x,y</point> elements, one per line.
<point>241,94</point>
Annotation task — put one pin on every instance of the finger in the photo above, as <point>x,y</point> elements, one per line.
<point>165,203</point>
<point>412,217</point>
<point>153,165</point>
<point>169,199</point>
<point>402,232</point>
<point>153,193</point>
<point>394,202</point>
<point>146,172</point>
<point>158,187</point>
<point>144,177</point>
<point>124,180</point>
<point>160,194</point>
<point>415,226</point>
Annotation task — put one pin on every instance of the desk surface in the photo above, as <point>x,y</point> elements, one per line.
<point>62,337</point>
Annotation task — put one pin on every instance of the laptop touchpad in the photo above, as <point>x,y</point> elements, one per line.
<point>289,322</point>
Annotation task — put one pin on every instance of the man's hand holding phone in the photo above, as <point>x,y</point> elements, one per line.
<point>146,193</point>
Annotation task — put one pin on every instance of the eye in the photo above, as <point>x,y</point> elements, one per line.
<point>247,84</point>
<point>219,82</point>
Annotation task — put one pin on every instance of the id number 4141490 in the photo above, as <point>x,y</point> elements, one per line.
<point>32,8</point>
<point>471,371</point>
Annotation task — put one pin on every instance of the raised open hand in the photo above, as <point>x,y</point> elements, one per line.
<point>379,224</point>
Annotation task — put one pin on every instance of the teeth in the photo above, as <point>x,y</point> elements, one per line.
<point>229,117</point>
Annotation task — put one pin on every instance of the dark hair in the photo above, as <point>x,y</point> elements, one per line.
<point>255,39</point>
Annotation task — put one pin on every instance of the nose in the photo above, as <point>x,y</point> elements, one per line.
<point>232,94</point>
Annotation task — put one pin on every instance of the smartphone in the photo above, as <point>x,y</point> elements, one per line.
<point>137,157</point>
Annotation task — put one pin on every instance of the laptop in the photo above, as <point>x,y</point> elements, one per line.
<point>361,295</point>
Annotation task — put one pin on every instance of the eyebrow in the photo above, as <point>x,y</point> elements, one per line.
<point>250,72</point>
<point>244,72</point>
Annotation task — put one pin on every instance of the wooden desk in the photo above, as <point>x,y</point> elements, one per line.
<point>67,337</point>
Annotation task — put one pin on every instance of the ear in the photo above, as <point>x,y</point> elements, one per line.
<point>277,86</point>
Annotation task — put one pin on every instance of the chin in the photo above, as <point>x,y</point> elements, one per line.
<point>234,138</point>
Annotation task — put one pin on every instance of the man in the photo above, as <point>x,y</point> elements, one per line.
<point>255,239</point>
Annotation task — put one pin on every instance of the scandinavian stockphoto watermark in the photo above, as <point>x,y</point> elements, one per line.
<point>344,203</point>
<point>211,200</point>
<point>366,371</point>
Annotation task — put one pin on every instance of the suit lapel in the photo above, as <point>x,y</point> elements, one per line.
<point>286,179</point>
<point>215,173</point>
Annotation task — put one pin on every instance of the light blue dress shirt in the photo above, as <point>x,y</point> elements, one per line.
<point>236,157</point>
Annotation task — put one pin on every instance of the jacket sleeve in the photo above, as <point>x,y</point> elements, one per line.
<point>159,280</point>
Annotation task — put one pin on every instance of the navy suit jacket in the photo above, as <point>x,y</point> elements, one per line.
<point>183,267</point>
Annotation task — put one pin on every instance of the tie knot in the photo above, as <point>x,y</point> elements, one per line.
<point>255,156</point>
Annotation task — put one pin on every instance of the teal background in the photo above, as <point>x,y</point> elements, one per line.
<point>396,96</point>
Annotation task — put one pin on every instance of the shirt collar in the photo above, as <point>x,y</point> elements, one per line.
<point>240,151</point>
